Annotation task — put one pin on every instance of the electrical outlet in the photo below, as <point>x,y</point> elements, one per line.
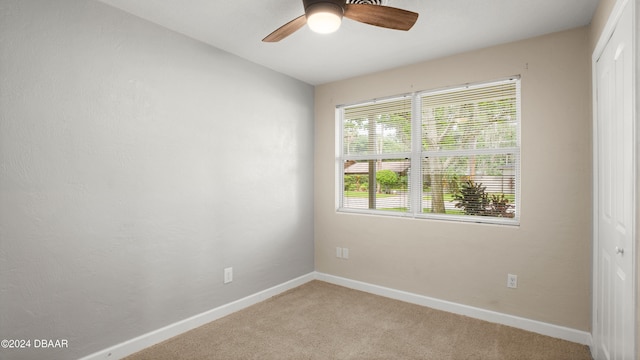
<point>228,275</point>
<point>512,281</point>
<point>339,252</point>
<point>345,253</point>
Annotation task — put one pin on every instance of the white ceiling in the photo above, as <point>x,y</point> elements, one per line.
<point>445,27</point>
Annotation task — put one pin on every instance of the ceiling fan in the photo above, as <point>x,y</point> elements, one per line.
<point>325,16</point>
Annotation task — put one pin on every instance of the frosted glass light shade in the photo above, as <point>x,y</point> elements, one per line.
<point>324,22</point>
<point>324,18</point>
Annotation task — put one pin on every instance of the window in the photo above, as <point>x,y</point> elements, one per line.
<point>447,154</point>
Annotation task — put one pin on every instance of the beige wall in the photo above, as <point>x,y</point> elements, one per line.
<point>468,263</point>
<point>598,21</point>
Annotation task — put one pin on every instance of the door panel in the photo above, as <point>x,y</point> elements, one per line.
<point>614,330</point>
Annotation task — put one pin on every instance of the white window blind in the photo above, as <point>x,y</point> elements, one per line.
<point>381,127</point>
<point>376,139</point>
<point>462,165</point>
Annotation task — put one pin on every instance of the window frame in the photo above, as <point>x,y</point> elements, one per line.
<point>417,154</point>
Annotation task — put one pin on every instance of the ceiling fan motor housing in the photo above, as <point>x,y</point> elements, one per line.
<point>334,6</point>
<point>368,2</point>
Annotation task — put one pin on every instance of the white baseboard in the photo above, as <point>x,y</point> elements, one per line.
<point>559,332</point>
<point>154,337</point>
<point>141,342</point>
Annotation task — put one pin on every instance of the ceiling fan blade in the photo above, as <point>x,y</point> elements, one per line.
<point>380,15</point>
<point>286,29</point>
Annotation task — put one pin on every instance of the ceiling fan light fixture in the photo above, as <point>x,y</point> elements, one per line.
<point>324,17</point>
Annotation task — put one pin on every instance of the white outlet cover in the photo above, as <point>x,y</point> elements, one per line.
<point>228,275</point>
<point>345,253</point>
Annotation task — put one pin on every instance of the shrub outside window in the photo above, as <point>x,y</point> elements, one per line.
<point>450,154</point>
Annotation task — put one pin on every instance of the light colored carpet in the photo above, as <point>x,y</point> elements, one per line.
<point>319,320</point>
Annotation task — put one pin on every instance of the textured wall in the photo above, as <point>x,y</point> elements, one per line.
<point>135,164</point>
<point>468,263</point>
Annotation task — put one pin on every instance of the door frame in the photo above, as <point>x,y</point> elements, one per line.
<point>606,34</point>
